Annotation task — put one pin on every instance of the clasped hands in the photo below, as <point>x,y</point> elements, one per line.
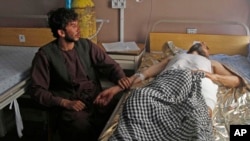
<point>102,99</point>
<point>106,95</point>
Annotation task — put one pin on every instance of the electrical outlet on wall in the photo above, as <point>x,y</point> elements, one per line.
<point>118,3</point>
<point>191,30</point>
<point>21,38</point>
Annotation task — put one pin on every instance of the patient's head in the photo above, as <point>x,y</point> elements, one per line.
<point>199,48</point>
<point>60,18</point>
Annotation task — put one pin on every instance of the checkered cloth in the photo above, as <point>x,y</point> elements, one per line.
<point>170,108</point>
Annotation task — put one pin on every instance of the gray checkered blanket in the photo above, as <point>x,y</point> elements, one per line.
<point>170,108</point>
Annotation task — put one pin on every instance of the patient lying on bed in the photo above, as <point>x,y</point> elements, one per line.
<point>178,103</point>
<point>196,59</point>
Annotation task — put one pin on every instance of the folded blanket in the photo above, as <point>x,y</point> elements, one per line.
<point>171,108</point>
<point>236,63</point>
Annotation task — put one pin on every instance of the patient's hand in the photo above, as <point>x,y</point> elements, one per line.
<point>106,96</point>
<point>211,76</point>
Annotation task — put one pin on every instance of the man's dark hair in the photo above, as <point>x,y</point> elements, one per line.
<point>197,47</point>
<point>59,18</point>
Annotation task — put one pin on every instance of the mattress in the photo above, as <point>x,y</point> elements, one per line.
<point>15,63</point>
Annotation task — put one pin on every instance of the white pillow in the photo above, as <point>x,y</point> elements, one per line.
<point>194,42</point>
<point>169,48</point>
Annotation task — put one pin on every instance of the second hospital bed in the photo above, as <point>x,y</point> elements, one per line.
<point>15,62</point>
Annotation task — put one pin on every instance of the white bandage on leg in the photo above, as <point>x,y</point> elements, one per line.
<point>209,92</point>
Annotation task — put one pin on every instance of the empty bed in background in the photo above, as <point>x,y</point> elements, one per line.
<point>15,63</point>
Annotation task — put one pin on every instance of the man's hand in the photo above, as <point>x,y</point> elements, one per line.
<point>106,96</point>
<point>73,105</point>
<point>125,82</point>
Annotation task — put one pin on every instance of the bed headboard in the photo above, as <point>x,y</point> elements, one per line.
<point>226,44</point>
<point>36,37</point>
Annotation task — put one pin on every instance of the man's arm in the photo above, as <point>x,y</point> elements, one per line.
<point>223,76</point>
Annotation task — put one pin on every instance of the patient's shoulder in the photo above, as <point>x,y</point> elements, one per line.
<point>219,68</point>
<point>214,62</point>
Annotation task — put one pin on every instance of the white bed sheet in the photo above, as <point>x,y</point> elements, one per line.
<point>15,63</point>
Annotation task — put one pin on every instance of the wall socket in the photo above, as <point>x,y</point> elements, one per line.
<point>191,30</point>
<point>118,3</point>
<point>21,38</point>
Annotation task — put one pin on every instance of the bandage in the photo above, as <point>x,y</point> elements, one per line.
<point>209,91</point>
<point>140,75</point>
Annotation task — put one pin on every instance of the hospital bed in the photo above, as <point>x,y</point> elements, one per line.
<point>17,49</point>
<point>231,50</point>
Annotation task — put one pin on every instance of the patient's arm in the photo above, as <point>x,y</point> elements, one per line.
<point>151,71</point>
<point>105,96</point>
<point>223,76</point>
<point>156,68</point>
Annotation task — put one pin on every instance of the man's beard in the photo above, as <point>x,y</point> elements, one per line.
<point>68,38</point>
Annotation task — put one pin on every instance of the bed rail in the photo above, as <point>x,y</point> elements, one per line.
<point>201,22</point>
